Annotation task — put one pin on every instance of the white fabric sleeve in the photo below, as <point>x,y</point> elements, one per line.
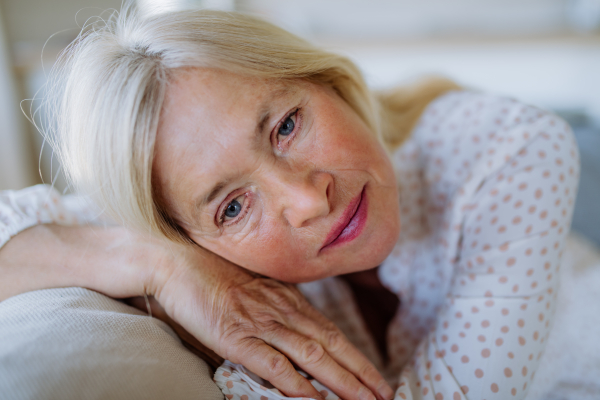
<point>42,204</point>
<point>492,331</point>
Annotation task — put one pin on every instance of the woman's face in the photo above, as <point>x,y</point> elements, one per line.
<point>280,177</point>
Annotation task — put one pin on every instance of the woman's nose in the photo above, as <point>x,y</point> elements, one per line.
<point>306,199</point>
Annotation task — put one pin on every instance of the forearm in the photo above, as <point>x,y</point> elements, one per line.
<point>49,256</point>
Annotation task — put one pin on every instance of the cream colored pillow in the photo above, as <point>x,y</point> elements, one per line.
<point>74,343</point>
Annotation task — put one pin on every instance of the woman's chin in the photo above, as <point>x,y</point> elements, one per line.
<point>366,260</point>
<point>372,258</point>
<point>367,253</point>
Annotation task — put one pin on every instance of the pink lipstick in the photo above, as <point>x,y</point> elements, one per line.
<point>350,224</point>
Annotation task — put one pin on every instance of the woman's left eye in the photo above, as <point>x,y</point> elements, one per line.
<point>288,125</point>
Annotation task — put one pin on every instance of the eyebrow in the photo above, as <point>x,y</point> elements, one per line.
<point>264,115</point>
<point>214,192</point>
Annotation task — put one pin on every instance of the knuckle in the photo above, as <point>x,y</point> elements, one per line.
<point>367,370</point>
<point>312,352</point>
<point>233,341</point>
<point>272,326</point>
<point>334,340</point>
<point>234,333</point>
<point>277,366</point>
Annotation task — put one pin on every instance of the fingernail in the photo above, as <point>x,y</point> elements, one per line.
<point>365,394</point>
<point>385,390</point>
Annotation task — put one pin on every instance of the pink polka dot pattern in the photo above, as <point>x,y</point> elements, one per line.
<point>487,191</point>
<point>237,383</point>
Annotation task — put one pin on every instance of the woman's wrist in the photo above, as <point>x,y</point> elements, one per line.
<point>193,273</point>
<point>111,260</point>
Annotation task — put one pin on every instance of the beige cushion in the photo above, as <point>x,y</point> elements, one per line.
<point>74,343</point>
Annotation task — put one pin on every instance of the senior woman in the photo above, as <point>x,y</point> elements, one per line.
<point>229,150</point>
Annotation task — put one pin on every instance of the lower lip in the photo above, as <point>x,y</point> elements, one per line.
<point>355,226</point>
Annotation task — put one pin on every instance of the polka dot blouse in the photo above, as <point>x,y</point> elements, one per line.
<point>487,187</point>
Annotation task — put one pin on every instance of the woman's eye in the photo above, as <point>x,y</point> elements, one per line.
<point>287,127</point>
<point>233,209</point>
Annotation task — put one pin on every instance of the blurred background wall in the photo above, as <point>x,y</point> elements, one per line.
<point>544,52</point>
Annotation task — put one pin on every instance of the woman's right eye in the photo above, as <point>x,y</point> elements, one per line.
<point>235,210</point>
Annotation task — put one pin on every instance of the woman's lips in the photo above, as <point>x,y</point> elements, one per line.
<point>351,223</point>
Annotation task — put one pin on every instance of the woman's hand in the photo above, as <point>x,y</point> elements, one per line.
<point>260,323</point>
<point>264,325</point>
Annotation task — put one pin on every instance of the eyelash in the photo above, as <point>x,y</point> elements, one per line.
<point>248,201</point>
<point>297,126</point>
<point>245,209</point>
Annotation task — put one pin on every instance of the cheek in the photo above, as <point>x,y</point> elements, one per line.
<point>279,254</point>
<point>266,251</point>
<point>344,142</point>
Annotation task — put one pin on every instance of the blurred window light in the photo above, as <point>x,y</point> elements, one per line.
<point>584,15</point>
<point>389,19</point>
<point>158,6</point>
<point>545,52</point>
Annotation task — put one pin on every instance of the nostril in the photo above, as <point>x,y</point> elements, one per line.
<point>328,191</point>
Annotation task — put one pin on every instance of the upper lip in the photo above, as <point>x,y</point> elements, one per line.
<point>343,220</point>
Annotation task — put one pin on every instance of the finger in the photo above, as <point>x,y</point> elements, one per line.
<point>335,343</point>
<point>312,357</point>
<point>309,322</point>
<point>273,366</point>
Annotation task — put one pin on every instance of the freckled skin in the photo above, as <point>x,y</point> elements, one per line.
<point>297,193</point>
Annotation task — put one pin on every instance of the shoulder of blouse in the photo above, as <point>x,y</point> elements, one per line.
<point>43,204</point>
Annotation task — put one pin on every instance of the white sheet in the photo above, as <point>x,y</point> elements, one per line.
<point>570,367</point>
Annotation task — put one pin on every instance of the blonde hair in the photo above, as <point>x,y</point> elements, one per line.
<point>109,85</point>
